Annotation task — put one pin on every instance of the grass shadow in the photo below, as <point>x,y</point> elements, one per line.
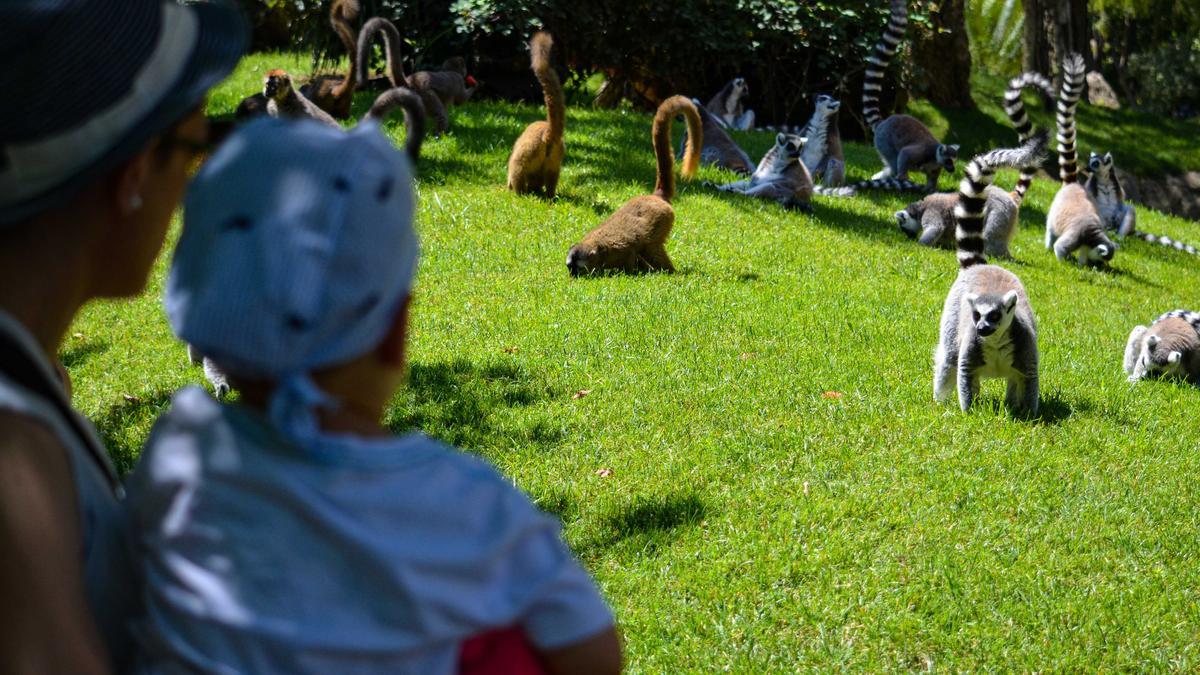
<point>463,404</point>
<point>1054,409</point>
<point>118,426</point>
<point>646,523</point>
<point>81,354</point>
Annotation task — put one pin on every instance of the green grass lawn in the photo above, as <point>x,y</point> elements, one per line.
<point>784,494</point>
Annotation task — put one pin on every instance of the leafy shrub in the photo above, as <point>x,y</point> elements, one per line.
<point>995,29</point>
<point>1166,79</point>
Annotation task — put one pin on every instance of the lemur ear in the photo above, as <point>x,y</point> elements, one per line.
<point>954,147</point>
<point>1174,357</point>
<point>781,139</point>
<point>1108,158</point>
<point>1010,300</point>
<point>1152,341</point>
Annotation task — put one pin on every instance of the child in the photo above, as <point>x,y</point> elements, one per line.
<point>292,532</point>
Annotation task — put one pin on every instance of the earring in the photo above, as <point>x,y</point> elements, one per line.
<point>135,202</point>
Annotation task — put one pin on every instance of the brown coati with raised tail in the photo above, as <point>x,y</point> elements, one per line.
<point>335,93</point>
<point>536,159</point>
<point>988,327</point>
<point>903,142</point>
<point>633,239</point>
<point>414,116</point>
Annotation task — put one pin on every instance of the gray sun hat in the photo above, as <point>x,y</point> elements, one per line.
<point>90,82</point>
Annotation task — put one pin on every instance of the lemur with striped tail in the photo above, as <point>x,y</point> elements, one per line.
<point>536,159</point>
<point>719,150</point>
<point>1104,188</point>
<point>780,175</point>
<point>882,184</point>
<point>988,328</point>
<point>1169,347</point>
<point>823,152</point>
<point>1014,107</point>
<point>902,141</point>
<point>1073,225</point>
<point>633,239</point>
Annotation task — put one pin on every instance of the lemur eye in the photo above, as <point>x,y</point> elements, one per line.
<point>993,315</point>
<point>975,316</point>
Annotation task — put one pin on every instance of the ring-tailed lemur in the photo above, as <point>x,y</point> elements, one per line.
<point>1074,225</point>
<point>884,184</point>
<point>931,221</point>
<point>284,101</point>
<point>1104,187</point>
<point>1169,347</point>
<point>1014,107</point>
<point>728,105</point>
<point>780,175</point>
<point>719,149</point>
<point>988,328</point>
<point>902,141</point>
<point>823,152</point>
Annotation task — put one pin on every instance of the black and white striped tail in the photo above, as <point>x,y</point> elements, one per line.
<point>1187,315</point>
<point>1068,100</point>
<point>879,59</point>
<point>783,128</point>
<point>885,184</point>
<point>980,173</point>
<point>1014,107</point>
<point>1166,241</point>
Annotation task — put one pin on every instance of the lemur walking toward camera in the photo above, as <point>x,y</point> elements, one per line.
<point>1073,225</point>
<point>988,328</point>
<point>633,238</point>
<point>719,150</point>
<point>903,142</point>
<point>536,159</point>
<point>780,176</point>
<point>1169,347</point>
<point>729,105</point>
<point>823,152</point>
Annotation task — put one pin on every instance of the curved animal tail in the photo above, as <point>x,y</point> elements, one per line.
<point>664,185</point>
<point>414,116</point>
<point>1162,240</point>
<point>885,184</point>
<point>1068,100</point>
<point>980,173</point>
<point>1014,107</point>
<point>539,48</point>
<point>341,14</point>
<point>879,59</point>
<point>391,49</point>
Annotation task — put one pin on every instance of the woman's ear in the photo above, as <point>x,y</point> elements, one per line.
<point>130,183</point>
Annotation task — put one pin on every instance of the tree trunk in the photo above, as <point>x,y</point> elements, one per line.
<point>944,57</point>
<point>1053,29</point>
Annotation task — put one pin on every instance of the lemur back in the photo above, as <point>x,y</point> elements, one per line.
<point>988,327</point>
<point>931,220</point>
<point>284,101</point>
<point>1169,347</point>
<point>435,109</point>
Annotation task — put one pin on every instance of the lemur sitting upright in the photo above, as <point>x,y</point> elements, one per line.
<point>727,105</point>
<point>1104,188</point>
<point>1170,347</point>
<point>780,175</point>
<point>988,328</point>
<point>902,141</point>
<point>719,150</point>
<point>823,153</point>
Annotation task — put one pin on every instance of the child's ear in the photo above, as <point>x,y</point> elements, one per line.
<point>391,350</point>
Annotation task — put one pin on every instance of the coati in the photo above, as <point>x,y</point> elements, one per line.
<point>719,149</point>
<point>335,93</point>
<point>728,105</point>
<point>988,328</point>
<point>284,101</point>
<point>537,155</point>
<point>1014,107</point>
<point>1073,225</point>
<point>414,116</point>
<point>780,175</point>
<point>902,141</point>
<point>823,152</point>
<point>633,238</point>
<point>447,86</point>
<point>1104,188</point>
<point>1170,347</point>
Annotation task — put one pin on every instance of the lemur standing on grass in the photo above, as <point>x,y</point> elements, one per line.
<point>1073,225</point>
<point>988,327</point>
<point>903,142</point>
<point>633,238</point>
<point>1169,347</point>
<point>536,159</point>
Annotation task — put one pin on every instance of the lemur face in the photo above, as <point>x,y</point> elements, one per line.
<point>276,84</point>
<point>1160,361</point>
<point>580,260</point>
<point>946,154</point>
<point>828,104</point>
<point>740,87</point>
<point>791,144</point>
<point>991,313</point>
<point>1100,165</point>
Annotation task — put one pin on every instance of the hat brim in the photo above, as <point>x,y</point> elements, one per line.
<point>222,37</point>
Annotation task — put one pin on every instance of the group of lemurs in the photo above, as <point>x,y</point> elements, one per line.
<point>987,329</point>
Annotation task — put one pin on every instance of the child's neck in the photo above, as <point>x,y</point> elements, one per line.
<point>351,417</point>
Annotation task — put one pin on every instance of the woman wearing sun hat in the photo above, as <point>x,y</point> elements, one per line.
<point>101,120</point>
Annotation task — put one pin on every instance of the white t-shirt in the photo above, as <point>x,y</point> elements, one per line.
<point>363,555</point>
